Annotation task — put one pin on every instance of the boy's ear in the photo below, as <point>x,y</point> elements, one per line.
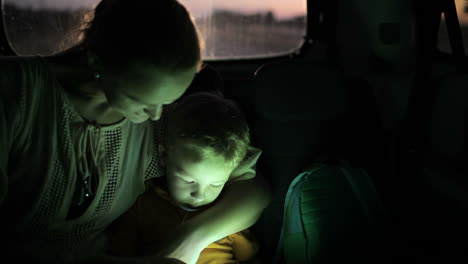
<point>162,155</point>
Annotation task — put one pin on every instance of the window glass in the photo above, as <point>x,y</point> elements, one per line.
<point>44,27</point>
<point>462,12</point>
<point>239,29</point>
<point>245,28</point>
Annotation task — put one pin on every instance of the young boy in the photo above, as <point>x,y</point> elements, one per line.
<point>205,147</point>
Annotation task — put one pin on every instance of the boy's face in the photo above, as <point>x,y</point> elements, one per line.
<point>193,184</point>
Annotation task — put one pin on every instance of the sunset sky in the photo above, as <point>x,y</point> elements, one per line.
<point>281,8</point>
<point>462,16</point>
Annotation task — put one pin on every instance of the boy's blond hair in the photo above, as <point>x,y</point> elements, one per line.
<point>209,125</point>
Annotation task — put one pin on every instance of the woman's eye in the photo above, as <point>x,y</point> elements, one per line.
<point>216,185</point>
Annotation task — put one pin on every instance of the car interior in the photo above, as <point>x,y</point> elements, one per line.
<point>380,84</point>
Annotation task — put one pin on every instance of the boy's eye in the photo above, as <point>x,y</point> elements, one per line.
<point>187,181</point>
<point>216,185</point>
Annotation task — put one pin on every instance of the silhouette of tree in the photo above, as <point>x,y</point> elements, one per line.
<point>270,18</point>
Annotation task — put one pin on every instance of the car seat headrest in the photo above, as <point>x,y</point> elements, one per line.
<point>299,90</point>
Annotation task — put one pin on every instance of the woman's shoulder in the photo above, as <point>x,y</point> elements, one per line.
<point>10,69</point>
<point>25,76</point>
<point>25,86</point>
<point>16,70</point>
<point>12,77</point>
<point>16,63</point>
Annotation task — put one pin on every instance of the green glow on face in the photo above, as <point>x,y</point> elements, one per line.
<point>142,91</point>
<point>195,182</point>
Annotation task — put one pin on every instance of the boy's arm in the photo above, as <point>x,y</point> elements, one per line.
<point>238,208</point>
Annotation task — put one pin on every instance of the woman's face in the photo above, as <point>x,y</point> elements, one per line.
<point>142,91</point>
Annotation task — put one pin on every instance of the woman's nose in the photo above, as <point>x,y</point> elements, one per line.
<point>154,113</point>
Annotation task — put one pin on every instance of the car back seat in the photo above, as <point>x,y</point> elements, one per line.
<point>444,169</point>
<point>302,113</point>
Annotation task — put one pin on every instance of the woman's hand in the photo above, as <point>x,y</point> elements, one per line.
<point>125,260</point>
<point>239,207</point>
<point>158,260</point>
<point>185,244</point>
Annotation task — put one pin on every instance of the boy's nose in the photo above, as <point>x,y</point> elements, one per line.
<point>197,196</point>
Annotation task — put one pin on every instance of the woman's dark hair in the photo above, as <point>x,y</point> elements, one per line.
<point>158,32</point>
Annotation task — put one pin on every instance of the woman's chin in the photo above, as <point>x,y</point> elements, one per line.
<point>138,120</point>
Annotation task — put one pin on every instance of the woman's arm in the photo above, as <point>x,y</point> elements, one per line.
<point>122,260</point>
<point>238,208</point>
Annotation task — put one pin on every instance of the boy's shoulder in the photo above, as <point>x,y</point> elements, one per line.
<point>155,194</point>
<point>155,186</point>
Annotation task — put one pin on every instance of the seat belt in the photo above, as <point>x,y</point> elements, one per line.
<point>424,92</point>
<point>422,95</point>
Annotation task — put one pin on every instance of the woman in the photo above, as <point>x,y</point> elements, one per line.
<point>77,143</point>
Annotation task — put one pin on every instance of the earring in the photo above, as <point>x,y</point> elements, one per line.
<point>97,76</point>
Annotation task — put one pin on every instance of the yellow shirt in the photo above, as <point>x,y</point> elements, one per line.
<point>154,216</point>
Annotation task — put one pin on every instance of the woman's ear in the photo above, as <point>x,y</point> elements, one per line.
<point>94,62</point>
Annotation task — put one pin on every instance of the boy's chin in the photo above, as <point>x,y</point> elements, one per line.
<point>187,207</point>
